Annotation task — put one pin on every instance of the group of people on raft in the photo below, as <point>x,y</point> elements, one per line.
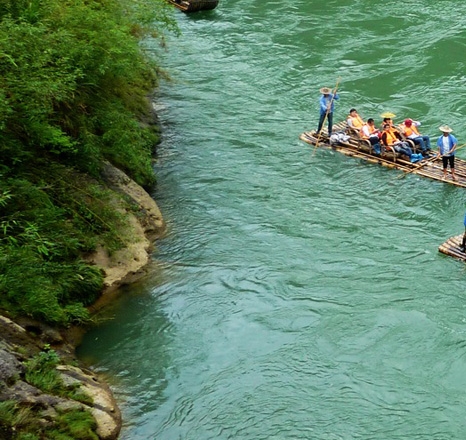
<point>401,139</point>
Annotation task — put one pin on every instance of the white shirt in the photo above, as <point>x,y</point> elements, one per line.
<point>365,130</point>
<point>446,145</point>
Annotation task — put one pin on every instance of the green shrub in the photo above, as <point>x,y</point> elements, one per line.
<point>27,436</point>
<point>73,92</point>
<point>74,87</point>
<point>16,421</point>
<point>41,372</point>
<point>7,413</point>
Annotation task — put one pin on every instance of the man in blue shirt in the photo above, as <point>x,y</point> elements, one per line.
<point>447,146</point>
<point>327,104</point>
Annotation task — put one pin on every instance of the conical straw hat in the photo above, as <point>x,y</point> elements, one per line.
<point>387,115</point>
<point>445,129</point>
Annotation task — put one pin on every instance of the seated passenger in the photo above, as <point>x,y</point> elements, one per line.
<point>387,119</point>
<point>354,121</point>
<point>369,132</point>
<point>391,137</point>
<point>411,131</point>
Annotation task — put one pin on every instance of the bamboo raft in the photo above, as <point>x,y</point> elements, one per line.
<point>194,5</point>
<point>431,168</point>
<point>452,247</point>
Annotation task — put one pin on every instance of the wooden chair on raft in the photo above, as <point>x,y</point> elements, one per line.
<point>362,144</point>
<point>387,152</point>
<point>412,144</point>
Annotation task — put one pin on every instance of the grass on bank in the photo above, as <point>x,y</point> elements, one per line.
<point>27,421</point>
<point>22,423</point>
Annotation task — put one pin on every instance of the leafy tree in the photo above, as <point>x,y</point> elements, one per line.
<point>74,81</point>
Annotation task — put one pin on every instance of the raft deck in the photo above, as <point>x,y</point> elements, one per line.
<point>194,5</point>
<point>452,247</point>
<point>431,168</point>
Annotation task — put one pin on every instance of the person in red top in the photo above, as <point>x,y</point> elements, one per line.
<point>411,131</point>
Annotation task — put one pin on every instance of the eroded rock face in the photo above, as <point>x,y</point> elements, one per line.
<point>151,219</point>
<point>145,225</point>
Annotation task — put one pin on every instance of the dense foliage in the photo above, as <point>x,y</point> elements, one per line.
<point>73,86</point>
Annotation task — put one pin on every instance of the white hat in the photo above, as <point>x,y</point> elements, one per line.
<point>445,129</point>
<point>325,90</point>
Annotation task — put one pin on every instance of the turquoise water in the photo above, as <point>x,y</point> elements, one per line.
<point>299,293</point>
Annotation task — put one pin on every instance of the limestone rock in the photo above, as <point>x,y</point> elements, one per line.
<point>127,265</point>
<point>10,367</point>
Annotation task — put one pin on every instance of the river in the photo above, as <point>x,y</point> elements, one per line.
<point>299,294</point>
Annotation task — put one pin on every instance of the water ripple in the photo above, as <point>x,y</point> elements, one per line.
<point>300,292</point>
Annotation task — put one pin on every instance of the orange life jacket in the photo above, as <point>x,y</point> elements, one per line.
<point>390,137</point>
<point>411,130</point>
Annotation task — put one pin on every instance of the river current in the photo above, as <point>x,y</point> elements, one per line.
<point>300,293</point>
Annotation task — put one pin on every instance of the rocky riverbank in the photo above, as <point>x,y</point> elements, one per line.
<point>23,340</point>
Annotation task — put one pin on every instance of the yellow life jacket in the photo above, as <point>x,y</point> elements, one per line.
<point>356,121</point>
<point>370,128</point>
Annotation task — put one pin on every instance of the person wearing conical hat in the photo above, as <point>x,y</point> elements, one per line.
<point>446,146</point>
<point>387,119</point>
<point>327,105</point>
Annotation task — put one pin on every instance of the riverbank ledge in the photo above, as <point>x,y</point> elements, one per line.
<point>23,339</point>
<point>146,223</point>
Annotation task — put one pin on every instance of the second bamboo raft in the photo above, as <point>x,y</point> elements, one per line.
<point>194,5</point>
<point>452,247</point>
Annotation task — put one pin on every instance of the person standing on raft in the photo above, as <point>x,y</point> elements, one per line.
<point>447,145</point>
<point>463,244</point>
<point>327,105</point>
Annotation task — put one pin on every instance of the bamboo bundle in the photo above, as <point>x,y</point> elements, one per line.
<point>452,247</point>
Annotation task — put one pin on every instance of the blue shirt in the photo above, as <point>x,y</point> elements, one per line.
<point>325,100</point>
<point>452,141</point>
